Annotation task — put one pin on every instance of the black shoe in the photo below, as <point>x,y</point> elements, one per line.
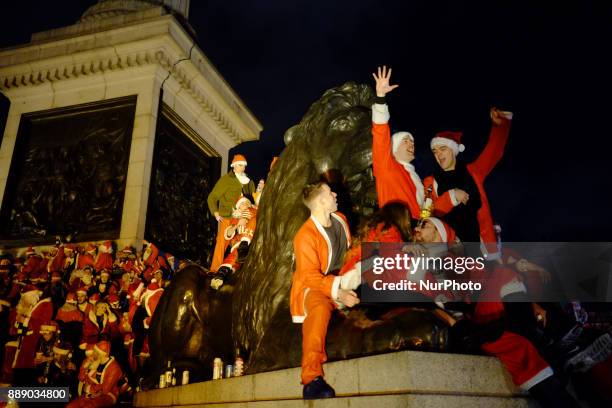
<point>318,388</point>
<point>243,251</point>
<point>224,272</point>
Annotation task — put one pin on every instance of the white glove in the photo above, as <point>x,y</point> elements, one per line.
<point>352,279</point>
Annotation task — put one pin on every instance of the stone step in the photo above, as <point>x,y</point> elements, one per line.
<point>407,378</point>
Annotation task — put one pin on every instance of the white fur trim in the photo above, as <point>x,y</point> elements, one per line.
<point>453,197</point>
<point>513,286</point>
<point>440,228</point>
<point>335,287</point>
<point>380,113</point>
<point>397,138</point>
<point>238,162</point>
<point>538,378</point>
<point>228,265</point>
<point>451,144</point>
<point>416,180</point>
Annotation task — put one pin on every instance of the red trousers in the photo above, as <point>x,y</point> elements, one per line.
<point>319,308</point>
<point>220,245</point>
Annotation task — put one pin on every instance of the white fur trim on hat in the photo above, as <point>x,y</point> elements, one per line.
<point>238,162</point>
<point>397,138</point>
<point>440,227</point>
<point>451,144</point>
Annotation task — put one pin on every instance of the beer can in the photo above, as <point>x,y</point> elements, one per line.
<point>238,367</point>
<point>217,368</point>
<point>162,380</point>
<point>185,380</point>
<point>229,371</point>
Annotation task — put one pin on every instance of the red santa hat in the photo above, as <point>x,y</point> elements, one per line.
<point>5,265</point>
<point>29,251</point>
<point>153,285</point>
<point>447,234</point>
<point>71,298</point>
<point>93,299</point>
<point>82,289</point>
<point>30,289</point>
<point>102,347</point>
<point>106,247</point>
<point>238,159</point>
<point>127,251</point>
<point>151,253</point>
<point>50,326</point>
<point>113,300</point>
<point>397,138</point>
<point>452,140</point>
<point>88,347</point>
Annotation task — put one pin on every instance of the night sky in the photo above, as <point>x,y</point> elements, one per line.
<point>547,62</point>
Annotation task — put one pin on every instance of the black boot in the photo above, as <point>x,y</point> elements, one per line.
<point>550,393</point>
<point>243,251</point>
<point>318,388</point>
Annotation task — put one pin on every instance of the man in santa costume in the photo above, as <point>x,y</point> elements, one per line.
<point>498,322</point>
<point>239,235</point>
<point>82,301</point>
<point>86,256</point>
<point>221,200</point>
<point>100,324</point>
<point>104,259</point>
<point>153,261</point>
<point>319,247</point>
<point>396,178</point>
<point>31,312</point>
<point>458,192</point>
<point>101,382</point>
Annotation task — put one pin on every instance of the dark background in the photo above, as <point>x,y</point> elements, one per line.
<point>546,61</point>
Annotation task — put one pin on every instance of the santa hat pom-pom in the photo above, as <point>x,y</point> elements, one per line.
<point>461,148</point>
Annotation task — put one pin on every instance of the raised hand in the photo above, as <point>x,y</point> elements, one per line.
<point>382,81</point>
<point>498,116</point>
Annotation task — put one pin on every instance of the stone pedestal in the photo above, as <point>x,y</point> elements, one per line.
<point>111,55</point>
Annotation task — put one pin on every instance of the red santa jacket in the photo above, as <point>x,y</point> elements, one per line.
<point>93,332</point>
<point>151,299</point>
<point>479,169</point>
<point>393,181</point>
<point>105,383</point>
<point>313,253</point>
<point>40,313</point>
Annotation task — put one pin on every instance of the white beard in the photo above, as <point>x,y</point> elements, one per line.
<point>242,178</point>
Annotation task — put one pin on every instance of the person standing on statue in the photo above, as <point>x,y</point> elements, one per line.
<point>319,248</point>
<point>221,200</point>
<point>458,191</point>
<point>396,178</point>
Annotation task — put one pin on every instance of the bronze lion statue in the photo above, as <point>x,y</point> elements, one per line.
<point>194,324</point>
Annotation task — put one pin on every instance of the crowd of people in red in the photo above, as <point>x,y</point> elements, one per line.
<point>77,317</point>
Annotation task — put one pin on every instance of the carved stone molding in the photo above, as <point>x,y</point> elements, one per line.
<point>153,41</point>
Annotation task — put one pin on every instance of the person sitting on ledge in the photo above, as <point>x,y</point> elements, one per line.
<point>319,247</point>
<point>239,235</point>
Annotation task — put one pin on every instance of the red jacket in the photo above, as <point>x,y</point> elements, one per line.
<point>393,182</point>
<point>40,313</point>
<point>313,254</point>
<point>106,383</point>
<point>479,169</point>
